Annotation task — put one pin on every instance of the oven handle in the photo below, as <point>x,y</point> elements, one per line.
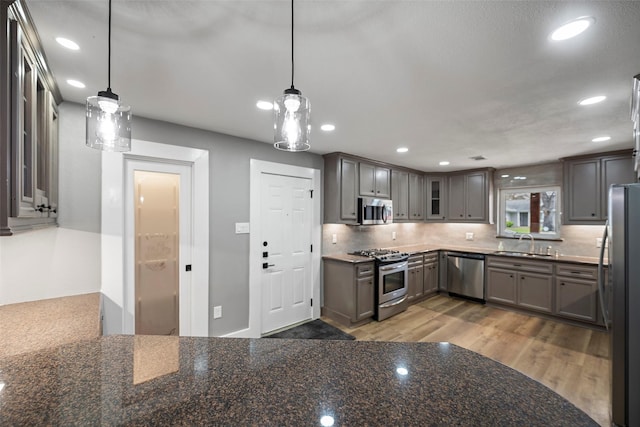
<point>393,267</point>
<point>391,304</point>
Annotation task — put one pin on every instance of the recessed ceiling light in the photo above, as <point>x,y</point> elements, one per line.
<point>264,105</point>
<point>592,100</point>
<point>444,163</point>
<point>572,28</point>
<point>69,44</point>
<point>519,177</point>
<point>601,139</point>
<point>328,127</point>
<point>75,83</point>
<point>402,149</point>
<point>506,175</point>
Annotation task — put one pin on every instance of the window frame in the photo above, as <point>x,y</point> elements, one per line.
<point>502,207</point>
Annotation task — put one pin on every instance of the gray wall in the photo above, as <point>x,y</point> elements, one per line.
<point>229,178</point>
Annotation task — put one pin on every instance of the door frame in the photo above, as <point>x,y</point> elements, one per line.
<point>257,168</point>
<point>114,284</point>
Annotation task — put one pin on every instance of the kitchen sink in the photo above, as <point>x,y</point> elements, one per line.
<point>522,254</point>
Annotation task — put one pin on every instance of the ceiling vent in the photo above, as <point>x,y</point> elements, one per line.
<point>478,158</point>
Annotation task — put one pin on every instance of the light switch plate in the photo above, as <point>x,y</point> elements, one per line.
<point>469,236</point>
<point>334,238</point>
<point>217,312</point>
<point>393,235</point>
<point>242,227</point>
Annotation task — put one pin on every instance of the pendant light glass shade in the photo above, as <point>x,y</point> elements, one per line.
<point>292,112</point>
<point>108,123</point>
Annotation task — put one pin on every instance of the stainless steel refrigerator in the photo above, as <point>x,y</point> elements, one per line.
<point>620,301</point>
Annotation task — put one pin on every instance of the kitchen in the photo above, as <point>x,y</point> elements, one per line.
<point>78,235</point>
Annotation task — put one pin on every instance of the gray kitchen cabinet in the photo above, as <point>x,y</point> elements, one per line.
<point>375,181</point>
<point>349,291</point>
<point>468,196</point>
<point>416,277</point>
<point>523,283</point>
<point>416,197</point>
<point>431,273</point>
<point>586,184</point>
<point>576,292</point>
<point>400,194</point>
<point>340,189</point>
<point>436,198</point>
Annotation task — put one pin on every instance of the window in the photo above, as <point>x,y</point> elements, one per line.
<point>530,210</point>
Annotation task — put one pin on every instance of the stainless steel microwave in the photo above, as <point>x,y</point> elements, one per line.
<point>374,211</point>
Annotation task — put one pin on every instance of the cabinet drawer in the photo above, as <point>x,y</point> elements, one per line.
<point>363,270</point>
<point>431,257</point>
<point>520,265</point>
<point>577,271</point>
<point>415,260</point>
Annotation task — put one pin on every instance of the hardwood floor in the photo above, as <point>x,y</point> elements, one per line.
<point>572,361</point>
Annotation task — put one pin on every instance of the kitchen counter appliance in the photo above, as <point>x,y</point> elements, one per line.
<point>373,211</point>
<point>391,278</point>
<point>465,275</point>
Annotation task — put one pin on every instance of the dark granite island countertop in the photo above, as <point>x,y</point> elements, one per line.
<point>127,380</point>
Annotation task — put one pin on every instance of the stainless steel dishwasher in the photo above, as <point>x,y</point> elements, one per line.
<point>465,275</point>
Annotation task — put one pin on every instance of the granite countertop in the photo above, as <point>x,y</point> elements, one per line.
<point>134,380</point>
<point>420,248</point>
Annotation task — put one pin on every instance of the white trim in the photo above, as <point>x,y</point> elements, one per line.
<point>112,237</point>
<point>258,167</point>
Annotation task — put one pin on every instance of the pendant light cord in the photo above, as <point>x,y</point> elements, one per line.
<point>109,49</point>
<point>291,44</point>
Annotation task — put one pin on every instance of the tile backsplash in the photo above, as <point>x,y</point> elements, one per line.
<point>578,240</point>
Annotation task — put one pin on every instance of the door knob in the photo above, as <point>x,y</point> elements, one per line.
<point>266,265</point>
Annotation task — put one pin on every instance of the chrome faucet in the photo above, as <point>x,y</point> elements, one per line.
<point>532,246</point>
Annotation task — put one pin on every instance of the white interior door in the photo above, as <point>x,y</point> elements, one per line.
<point>286,233</point>
<point>158,242</point>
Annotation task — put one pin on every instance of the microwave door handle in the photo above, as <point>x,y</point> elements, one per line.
<point>601,287</point>
<point>384,214</point>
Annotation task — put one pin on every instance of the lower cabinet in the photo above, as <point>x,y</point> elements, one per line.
<point>526,284</point>
<point>349,291</point>
<point>431,273</point>
<point>416,278</point>
<point>576,292</point>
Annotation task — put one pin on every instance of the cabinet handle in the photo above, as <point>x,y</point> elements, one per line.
<point>593,214</point>
<point>562,284</point>
<point>461,215</point>
<point>511,276</point>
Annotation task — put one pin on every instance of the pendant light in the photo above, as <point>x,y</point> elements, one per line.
<point>292,114</point>
<point>108,122</point>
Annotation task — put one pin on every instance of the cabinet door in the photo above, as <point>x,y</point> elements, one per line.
<point>583,185</point>
<point>364,297</point>
<point>615,170</point>
<point>456,197</point>
<point>576,299</point>
<point>476,196</point>
<point>400,194</point>
<point>383,182</point>
<point>501,286</point>
<point>430,284</point>
<point>367,180</point>
<point>416,196</point>
<point>348,197</point>
<point>436,198</point>
<point>535,291</point>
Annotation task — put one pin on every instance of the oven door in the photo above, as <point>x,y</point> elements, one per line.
<point>392,281</point>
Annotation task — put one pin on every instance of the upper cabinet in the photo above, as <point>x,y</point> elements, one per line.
<point>375,181</point>
<point>586,184</point>
<point>340,189</point>
<point>469,196</point>
<point>400,194</point>
<point>416,197</point>
<point>436,198</point>
<point>30,149</point>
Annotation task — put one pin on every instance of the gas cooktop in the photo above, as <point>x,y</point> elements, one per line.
<point>382,254</point>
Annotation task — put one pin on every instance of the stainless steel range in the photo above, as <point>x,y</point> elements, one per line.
<point>391,280</point>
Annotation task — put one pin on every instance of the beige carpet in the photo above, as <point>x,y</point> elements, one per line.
<point>32,326</point>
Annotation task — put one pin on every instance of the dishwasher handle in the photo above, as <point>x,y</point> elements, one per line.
<point>465,255</point>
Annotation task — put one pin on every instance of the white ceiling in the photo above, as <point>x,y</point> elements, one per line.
<point>447,79</point>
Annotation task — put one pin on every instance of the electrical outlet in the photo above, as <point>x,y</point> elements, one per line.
<point>469,236</point>
<point>217,312</point>
<point>598,242</point>
<point>393,235</point>
<point>334,238</point>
